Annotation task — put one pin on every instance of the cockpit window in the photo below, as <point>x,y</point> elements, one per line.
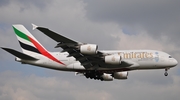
<point>170,57</point>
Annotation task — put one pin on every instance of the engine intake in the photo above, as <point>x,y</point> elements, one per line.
<point>88,49</point>
<point>107,77</point>
<point>120,75</point>
<point>113,59</point>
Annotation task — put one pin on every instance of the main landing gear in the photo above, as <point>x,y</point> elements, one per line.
<point>94,75</point>
<point>166,73</point>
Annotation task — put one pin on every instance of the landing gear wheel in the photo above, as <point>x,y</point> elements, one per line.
<point>166,74</point>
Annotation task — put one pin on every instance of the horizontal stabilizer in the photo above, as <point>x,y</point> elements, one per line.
<point>19,54</point>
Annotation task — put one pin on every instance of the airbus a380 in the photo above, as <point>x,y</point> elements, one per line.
<point>86,59</point>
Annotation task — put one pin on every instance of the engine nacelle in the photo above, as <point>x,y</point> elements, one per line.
<point>88,49</point>
<point>120,75</point>
<point>113,59</point>
<point>107,77</point>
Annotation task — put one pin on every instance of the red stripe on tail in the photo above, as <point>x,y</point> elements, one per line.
<point>43,51</point>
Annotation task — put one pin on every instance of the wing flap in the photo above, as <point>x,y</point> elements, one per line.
<point>19,54</point>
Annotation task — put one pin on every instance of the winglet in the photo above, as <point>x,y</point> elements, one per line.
<point>34,26</point>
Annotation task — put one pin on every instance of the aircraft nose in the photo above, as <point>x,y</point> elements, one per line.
<point>175,62</point>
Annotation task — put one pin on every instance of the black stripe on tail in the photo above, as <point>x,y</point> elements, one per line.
<point>28,47</point>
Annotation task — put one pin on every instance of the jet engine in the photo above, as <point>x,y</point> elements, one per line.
<point>107,77</point>
<point>113,59</point>
<point>120,75</point>
<point>88,49</point>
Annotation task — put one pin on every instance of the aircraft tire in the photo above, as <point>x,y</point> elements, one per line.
<point>166,74</point>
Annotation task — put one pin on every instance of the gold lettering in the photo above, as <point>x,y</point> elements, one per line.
<point>139,55</point>
<point>127,55</point>
<point>142,54</point>
<point>130,55</point>
<point>146,55</point>
<point>151,55</point>
<point>134,55</point>
<point>113,58</point>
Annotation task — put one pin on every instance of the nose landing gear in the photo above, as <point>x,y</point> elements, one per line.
<point>166,73</point>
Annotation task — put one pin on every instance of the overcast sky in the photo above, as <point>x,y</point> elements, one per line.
<point>113,25</point>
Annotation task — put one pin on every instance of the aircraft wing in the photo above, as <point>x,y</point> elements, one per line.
<point>72,47</point>
<point>54,36</point>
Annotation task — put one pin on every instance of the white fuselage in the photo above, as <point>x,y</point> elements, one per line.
<point>85,58</point>
<point>140,59</point>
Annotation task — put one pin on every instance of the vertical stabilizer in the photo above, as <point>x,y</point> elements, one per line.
<point>30,45</point>
<point>28,42</point>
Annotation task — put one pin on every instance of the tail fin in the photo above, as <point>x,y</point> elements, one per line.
<point>28,42</point>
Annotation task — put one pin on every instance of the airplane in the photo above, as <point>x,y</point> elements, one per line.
<point>84,58</point>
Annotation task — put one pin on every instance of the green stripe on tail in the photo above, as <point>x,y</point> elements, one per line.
<point>21,34</point>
